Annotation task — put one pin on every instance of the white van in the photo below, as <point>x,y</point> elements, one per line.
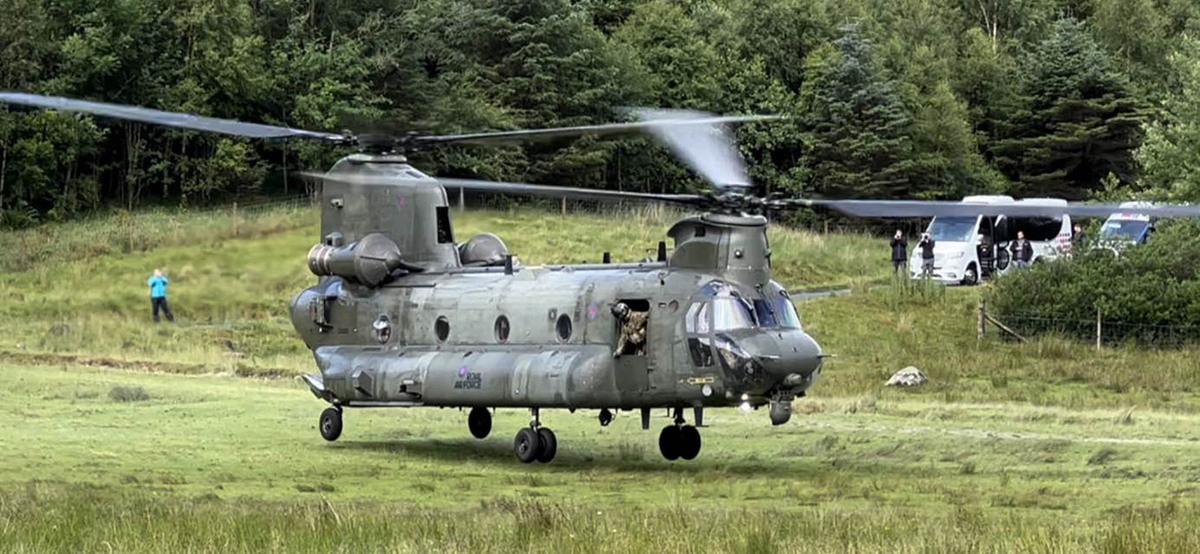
<point>1121,230</point>
<point>969,249</point>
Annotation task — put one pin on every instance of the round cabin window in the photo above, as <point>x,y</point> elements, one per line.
<point>563,326</point>
<point>382,329</point>
<point>442,328</point>
<point>502,328</point>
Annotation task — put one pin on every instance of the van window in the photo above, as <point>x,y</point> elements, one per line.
<point>1036,228</point>
<point>952,229</point>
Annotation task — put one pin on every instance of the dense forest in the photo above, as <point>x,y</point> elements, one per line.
<point>885,98</point>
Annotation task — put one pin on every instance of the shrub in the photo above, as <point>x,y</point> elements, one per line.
<point>1149,294</point>
<point>128,393</point>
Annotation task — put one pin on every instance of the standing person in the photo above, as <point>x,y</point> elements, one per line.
<point>1078,239</point>
<point>899,251</point>
<point>158,295</point>
<point>1022,251</point>
<point>926,246</point>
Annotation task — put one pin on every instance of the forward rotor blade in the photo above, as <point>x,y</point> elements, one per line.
<point>500,187</point>
<point>708,149</point>
<point>169,119</point>
<point>610,129</point>
<point>937,208</point>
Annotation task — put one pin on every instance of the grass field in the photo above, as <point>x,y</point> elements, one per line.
<point>123,436</point>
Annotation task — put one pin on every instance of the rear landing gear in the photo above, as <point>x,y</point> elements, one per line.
<point>679,440</point>
<point>480,422</point>
<point>535,442</point>
<point>330,424</point>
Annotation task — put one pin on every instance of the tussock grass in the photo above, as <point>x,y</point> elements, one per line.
<point>50,518</point>
<point>128,393</point>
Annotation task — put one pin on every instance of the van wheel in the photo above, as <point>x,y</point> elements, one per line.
<point>971,276</point>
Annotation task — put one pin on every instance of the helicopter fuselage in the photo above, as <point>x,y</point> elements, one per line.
<point>422,329</point>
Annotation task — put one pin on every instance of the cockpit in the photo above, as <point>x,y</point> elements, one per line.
<point>720,307</point>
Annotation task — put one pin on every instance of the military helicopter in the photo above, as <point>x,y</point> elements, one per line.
<point>403,315</point>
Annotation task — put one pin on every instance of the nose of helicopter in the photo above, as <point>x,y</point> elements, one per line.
<point>789,358</point>
<point>797,361</point>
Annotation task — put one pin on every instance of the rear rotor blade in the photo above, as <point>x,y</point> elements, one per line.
<point>705,145</point>
<point>500,187</point>
<point>611,129</point>
<point>169,119</point>
<point>936,208</point>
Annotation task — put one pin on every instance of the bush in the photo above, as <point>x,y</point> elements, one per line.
<point>128,393</point>
<point>1149,294</point>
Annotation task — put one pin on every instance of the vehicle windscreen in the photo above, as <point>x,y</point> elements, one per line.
<point>952,229</point>
<point>1124,229</point>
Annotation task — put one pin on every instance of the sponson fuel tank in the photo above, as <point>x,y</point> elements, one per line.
<point>508,377</point>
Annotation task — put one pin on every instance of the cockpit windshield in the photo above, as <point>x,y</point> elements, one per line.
<point>732,313</point>
<point>776,314</point>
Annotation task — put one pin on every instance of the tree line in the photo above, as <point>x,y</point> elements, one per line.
<point>885,98</point>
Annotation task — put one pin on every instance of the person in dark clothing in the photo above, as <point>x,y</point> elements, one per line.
<point>1078,239</point>
<point>926,246</point>
<point>158,296</point>
<point>1022,251</point>
<point>899,251</point>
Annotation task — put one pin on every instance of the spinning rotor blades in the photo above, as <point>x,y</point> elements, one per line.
<point>936,208</point>
<point>709,150</point>
<point>168,119</point>
<point>500,187</point>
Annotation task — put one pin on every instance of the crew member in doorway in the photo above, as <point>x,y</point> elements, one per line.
<point>899,251</point>
<point>926,246</point>
<point>633,329</point>
<point>1022,251</point>
<point>158,295</point>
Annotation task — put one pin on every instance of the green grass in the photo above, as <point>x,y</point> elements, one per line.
<point>222,462</point>
<point>874,334</point>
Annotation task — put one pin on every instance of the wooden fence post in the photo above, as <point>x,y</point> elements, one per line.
<point>235,222</point>
<point>462,203</point>
<point>1099,330</point>
<point>564,206</point>
<point>982,313</point>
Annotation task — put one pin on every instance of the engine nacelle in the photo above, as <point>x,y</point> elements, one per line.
<point>368,261</point>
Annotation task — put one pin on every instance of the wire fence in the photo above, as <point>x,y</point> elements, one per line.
<point>1101,330</point>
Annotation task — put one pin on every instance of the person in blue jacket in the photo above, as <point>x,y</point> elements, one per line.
<point>158,295</point>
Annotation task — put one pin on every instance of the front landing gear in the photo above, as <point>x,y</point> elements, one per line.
<point>330,424</point>
<point>479,421</point>
<point>535,443</point>
<point>679,440</point>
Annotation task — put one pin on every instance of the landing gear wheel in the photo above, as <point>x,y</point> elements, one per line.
<point>689,442</point>
<point>668,442</point>
<point>331,424</point>
<point>549,445</point>
<point>606,417</point>
<point>527,445</point>
<point>480,422</point>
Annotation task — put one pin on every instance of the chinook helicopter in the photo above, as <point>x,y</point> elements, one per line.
<point>404,315</point>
